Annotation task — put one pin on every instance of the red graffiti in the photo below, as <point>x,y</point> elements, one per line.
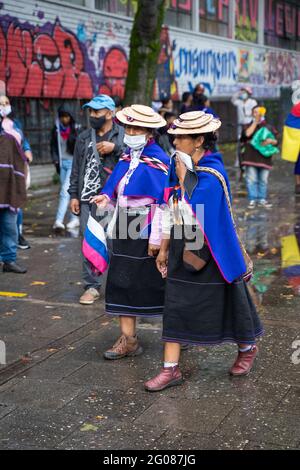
<point>37,64</point>
<point>165,83</point>
<point>115,68</point>
<point>280,68</point>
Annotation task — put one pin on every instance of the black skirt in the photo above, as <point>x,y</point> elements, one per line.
<point>134,285</point>
<point>202,308</point>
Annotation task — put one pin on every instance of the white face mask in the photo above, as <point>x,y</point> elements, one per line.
<point>135,142</point>
<point>186,159</point>
<point>5,110</point>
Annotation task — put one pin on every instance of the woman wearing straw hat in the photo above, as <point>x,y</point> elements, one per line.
<point>207,301</point>
<point>134,286</point>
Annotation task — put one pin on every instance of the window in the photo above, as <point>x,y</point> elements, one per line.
<point>179,13</point>
<point>282,24</point>
<point>119,7</point>
<point>214,17</point>
<point>246,28</point>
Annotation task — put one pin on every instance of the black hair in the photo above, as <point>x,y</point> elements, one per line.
<point>168,115</point>
<point>210,140</point>
<point>165,100</point>
<point>202,100</point>
<point>117,100</point>
<point>185,95</point>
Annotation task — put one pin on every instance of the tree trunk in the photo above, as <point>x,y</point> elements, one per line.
<point>144,51</point>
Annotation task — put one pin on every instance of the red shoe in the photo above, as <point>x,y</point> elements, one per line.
<point>244,362</point>
<point>168,377</point>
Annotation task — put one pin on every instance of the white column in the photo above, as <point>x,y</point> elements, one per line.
<point>196,15</point>
<point>261,22</point>
<point>232,16</point>
<point>90,4</point>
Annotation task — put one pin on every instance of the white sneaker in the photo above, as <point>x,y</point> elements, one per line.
<point>89,296</point>
<point>252,205</point>
<point>265,204</point>
<point>74,223</point>
<point>58,225</point>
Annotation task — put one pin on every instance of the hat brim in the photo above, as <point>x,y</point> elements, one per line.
<point>131,121</point>
<point>95,106</point>
<point>212,126</point>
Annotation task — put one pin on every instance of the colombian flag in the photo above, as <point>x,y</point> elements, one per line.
<point>291,135</point>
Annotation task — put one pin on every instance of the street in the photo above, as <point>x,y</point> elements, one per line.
<point>58,392</point>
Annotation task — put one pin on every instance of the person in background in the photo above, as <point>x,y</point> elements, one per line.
<point>244,104</point>
<point>165,140</point>
<point>204,105</point>
<point>13,127</point>
<point>187,101</point>
<point>118,103</point>
<point>63,138</point>
<point>96,153</point>
<point>197,94</point>
<point>167,106</point>
<point>12,196</point>
<point>257,166</point>
<point>291,142</point>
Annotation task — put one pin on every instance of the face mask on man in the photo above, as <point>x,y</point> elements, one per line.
<point>244,96</point>
<point>5,110</point>
<point>135,142</point>
<point>97,122</point>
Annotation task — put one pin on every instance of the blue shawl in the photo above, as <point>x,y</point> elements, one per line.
<point>148,179</point>
<point>218,228</point>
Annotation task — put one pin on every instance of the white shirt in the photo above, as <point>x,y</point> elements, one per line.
<point>244,108</point>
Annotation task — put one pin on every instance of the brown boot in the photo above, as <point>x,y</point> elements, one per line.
<point>123,347</point>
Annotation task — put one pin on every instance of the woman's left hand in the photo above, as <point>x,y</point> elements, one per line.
<point>153,250</point>
<point>180,169</point>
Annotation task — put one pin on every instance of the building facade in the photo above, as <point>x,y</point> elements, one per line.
<point>69,50</point>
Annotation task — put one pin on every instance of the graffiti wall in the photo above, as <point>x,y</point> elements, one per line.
<point>224,66</point>
<point>52,51</point>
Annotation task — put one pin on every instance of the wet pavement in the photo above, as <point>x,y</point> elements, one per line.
<point>57,391</point>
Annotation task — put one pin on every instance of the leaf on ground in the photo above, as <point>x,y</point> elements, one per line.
<point>38,283</point>
<point>88,427</point>
<point>101,417</point>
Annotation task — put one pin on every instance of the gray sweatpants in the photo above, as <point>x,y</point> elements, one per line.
<point>89,278</point>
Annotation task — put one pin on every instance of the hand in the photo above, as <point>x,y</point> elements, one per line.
<point>105,147</point>
<point>153,250</point>
<point>29,156</point>
<point>268,142</point>
<point>180,170</point>
<point>257,119</point>
<point>101,200</point>
<point>75,206</point>
<point>162,263</point>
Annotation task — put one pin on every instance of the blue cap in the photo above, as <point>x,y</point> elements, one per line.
<point>101,102</point>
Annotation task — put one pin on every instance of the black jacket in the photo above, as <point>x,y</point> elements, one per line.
<point>54,135</point>
<point>80,155</point>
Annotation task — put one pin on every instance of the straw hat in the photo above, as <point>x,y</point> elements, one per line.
<point>194,122</point>
<point>141,116</point>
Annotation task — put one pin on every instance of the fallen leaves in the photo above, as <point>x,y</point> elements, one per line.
<point>13,294</point>
<point>88,427</point>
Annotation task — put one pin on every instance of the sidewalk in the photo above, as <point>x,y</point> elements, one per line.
<point>57,391</point>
